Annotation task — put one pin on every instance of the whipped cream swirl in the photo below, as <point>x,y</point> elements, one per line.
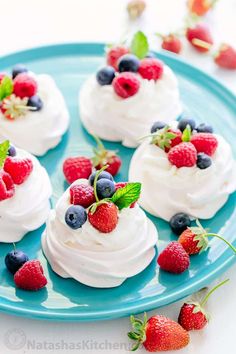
<point>94,258</point>
<point>113,118</point>
<point>28,209</point>
<point>39,131</point>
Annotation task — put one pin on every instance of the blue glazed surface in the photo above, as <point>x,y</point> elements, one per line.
<point>66,300</point>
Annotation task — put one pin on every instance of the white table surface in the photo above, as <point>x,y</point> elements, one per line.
<point>28,23</point>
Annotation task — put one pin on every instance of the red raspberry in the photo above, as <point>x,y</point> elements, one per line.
<point>24,86</point>
<point>7,188</point>
<point>174,258</point>
<point>183,155</point>
<point>19,169</point>
<point>172,43</point>
<point>77,167</point>
<point>126,84</point>
<point>114,54</point>
<point>30,276</point>
<point>200,37</point>
<point>121,185</point>
<point>226,57</point>
<point>205,142</point>
<point>105,218</point>
<point>82,194</point>
<point>151,68</point>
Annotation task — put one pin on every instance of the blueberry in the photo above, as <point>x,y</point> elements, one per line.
<point>18,69</point>
<point>36,102</point>
<point>157,126</point>
<point>75,216</point>
<point>203,161</point>
<point>184,122</point>
<point>105,188</point>
<point>179,222</point>
<point>14,260</point>
<point>12,151</point>
<point>150,55</point>
<point>128,62</point>
<point>105,75</point>
<point>103,174</point>
<point>204,128</point>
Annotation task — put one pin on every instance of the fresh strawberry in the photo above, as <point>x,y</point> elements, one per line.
<point>30,276</point>
<point>200,37</point>
<point>193,316</point>
<point>126,84</point>
<point>159,333</point>
<point>24,86</point>
<point>18,168</point>
<point>171,43</point>
<point>104,218</point>
<point>166,138</point>
<point>174,258</point>
<point>114,53</point>
<point>226,57</point>
<point>193,240</point>
<point>104,157</point>
<point>151,68</point>
<point>7,188</point>
<point>121,185</point>
<point>200,7</point>
<point>77,167</point>
<point>82,194</point>
<point>205,142</point>
<point>183,155</point>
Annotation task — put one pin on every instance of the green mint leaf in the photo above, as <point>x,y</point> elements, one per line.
<point>6,87</point>
<point>186,136</point>
<point>127,195</point>
<point>139,45</point>
<point>4,147</point>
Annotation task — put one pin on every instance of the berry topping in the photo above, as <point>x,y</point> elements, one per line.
<point>226,57</point>
<point>174,258</point>
<point>82,194</point>
<point>126,84</point>
<point>105,75</point>
<point>35,102</point>
<point>114,53</point>
<point>204,128</point>
<point>179,222</point>
<point>128,62</point>
<point>14,260</point>
<point>104,218</point>
<point>75,216</point>
<point>18,168</point>
<point>2,75</point>
<point>183,155</point>
<point>18,69</point>
<point>157,126</point>
<point>77,167</point>
<point>102,174</point>
<point>12,151</point>
<point>151,69</point>
<point>7,188</point>
<point>24,86</point>
<point>200,37</point>
<point>166,138</point>
<point>203,161</point>
<point>205,142</point>
<point>171,43</point>
<point>30,276</point>
<point>186,121</point>
<point>14,107</point>
<point>105,188</point>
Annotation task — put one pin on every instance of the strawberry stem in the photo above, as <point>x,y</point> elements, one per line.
<point>99,143</point>
<point>205,299</point>
<point>222,239</point>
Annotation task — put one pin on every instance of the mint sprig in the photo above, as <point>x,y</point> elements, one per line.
<point>139,45</point>
<point>4,147</point>
<point>6,87</point>
<point>127,195</point>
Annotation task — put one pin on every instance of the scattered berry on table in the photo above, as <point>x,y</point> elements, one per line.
<point>172,43</point>
<point>204,128</point>
<point>35,102</point>
<point>14,260</point>
<point>200,7</point>
<point>24,86</point>
<point>151,68</point>
<point>105,188</point>
<point>186,121</point>
<point>157,126</point>
<point>105,217</point>
<point>205,142</point>
<point>200,37</point>
<point>174,258</point>
<point>128,62</point>
<point>77,167</point>
<point>114,53</point>
<point>126,84</point>
<point>192,243</point>
<point>226,57</point>
<point>30,276</point>
<point>183,155</point>
<point>179,222</point>
<point>81,194</point>
<point>18,168</point>
<point>18,69</point>
<point>203,161</point>
<point>12,151</point>
<point>105,75</point>
<point>75,216</point>
<point>103,174</point>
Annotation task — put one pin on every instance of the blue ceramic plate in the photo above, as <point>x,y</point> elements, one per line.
<point>68,300</point>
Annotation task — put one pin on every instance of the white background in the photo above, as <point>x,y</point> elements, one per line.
<point>28,23</point>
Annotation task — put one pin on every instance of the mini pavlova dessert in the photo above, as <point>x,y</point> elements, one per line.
<point>25,190</point>
<point>98,234</point>
<point>184,168</point>
<point>33,113</point>
<point>122,100</point>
